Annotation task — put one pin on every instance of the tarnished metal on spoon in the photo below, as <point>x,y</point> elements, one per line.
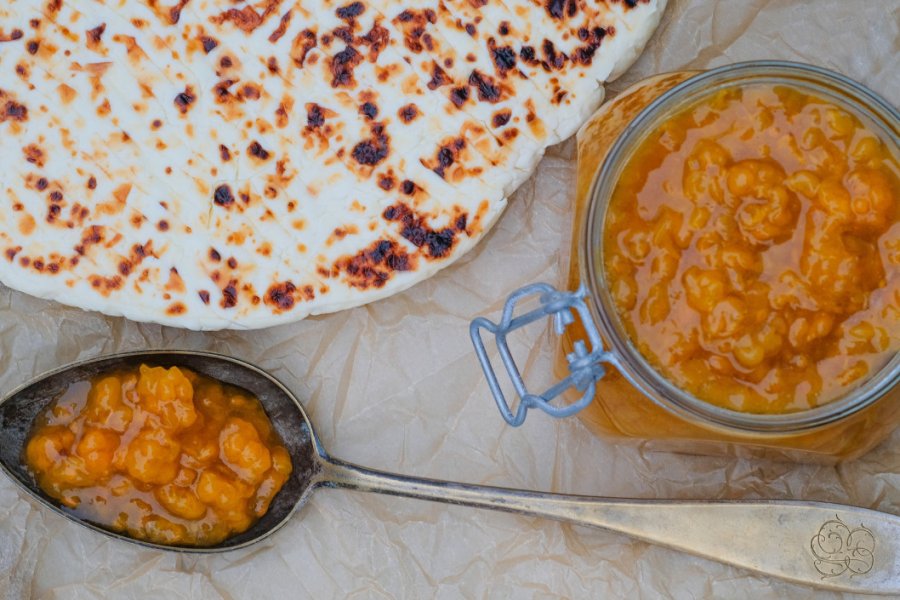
<point>826,545</point>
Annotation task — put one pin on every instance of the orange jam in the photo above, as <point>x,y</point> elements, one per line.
<point>164,455</point>
<point>752,248</point>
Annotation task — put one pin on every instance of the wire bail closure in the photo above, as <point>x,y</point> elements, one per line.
<point>585,366</point>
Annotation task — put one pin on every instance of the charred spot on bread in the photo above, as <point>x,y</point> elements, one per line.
<point>185,99</point>
<point>257,151</point>
<point>354,9</point>
<point>223,196</point>
<point>342,65</point>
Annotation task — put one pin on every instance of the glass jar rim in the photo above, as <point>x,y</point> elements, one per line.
<point>631,362</point>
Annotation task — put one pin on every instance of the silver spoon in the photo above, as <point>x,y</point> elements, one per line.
<point>832,546</point>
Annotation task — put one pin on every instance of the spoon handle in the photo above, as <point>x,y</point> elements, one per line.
<point>843,548</point>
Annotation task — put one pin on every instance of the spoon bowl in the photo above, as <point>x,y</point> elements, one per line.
<point>843,548</point>
<point>20,408</point>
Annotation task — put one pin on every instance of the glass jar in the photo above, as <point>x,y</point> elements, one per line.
<point>621,394</point>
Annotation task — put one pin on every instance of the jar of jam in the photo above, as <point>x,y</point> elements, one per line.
<point>736,261</point>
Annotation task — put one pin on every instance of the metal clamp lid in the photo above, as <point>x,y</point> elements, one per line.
<point>585,366</point>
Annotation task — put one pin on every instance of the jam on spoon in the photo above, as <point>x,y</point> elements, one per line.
<point>166,455</point>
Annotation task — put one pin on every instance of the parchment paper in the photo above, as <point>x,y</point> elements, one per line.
<point>395,385</point>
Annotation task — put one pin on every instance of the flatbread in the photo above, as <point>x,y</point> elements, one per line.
<point>218,164</point>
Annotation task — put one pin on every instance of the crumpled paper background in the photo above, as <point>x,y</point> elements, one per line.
<point>395,385</point>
